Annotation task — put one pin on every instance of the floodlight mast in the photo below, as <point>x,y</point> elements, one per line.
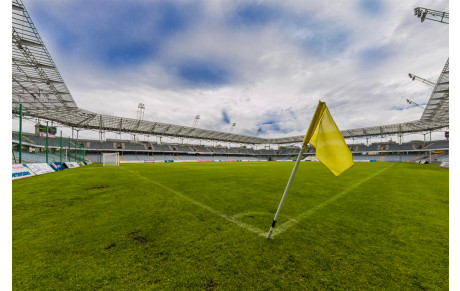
<point>425,81</point>
<point>196,120</point>
<point>140,111</point>
<point>232,127</point>
<point>430,14</point>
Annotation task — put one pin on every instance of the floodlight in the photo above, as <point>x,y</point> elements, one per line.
<point>424,16</point>
<point>412,77</point>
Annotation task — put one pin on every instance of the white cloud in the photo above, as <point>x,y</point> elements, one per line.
<point>277,71</point>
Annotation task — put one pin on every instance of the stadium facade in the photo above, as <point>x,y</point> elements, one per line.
<point>39,91</point>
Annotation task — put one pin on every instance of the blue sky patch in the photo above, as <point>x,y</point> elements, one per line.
<point>374,56</point>
<point>328,42</point>
<point>204,73</point>
<point>225,117</point>
<point>174,18</point>
<point>270,126</point>
<point>319,36</point>
<point>131,33</point>
<point>132,54</point>
<point>253,14</point>
<point>372,7</point>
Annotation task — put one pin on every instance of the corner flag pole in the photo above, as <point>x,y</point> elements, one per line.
<point>297,162</point>
<point>316,118</point>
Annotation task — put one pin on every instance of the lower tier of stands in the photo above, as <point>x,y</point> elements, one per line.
<point>128,158</point>
<point>97,158</point>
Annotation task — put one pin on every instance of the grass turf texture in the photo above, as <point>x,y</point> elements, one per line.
<point>195,225</point>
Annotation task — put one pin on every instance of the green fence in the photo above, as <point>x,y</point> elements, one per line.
<point>45,147</point>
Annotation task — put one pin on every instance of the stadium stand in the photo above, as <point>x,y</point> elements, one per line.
<point>442,158</point>
<point>189,157</point>
<point>371,148</point>
<point>135,151</point>
<point>366,158</point>
<point>182,148</point>
<point>217,150</point>
<point>164,157</point>
<point>233,151</point>
<point>136,157</point>
<point>162,148</point>
<point>101,145</point>
<point>201,149</point>
<point>246,151</point>
<point>94,158</point>
<point>37,158</point>
<point>135,147</point>
<point>438,145</point>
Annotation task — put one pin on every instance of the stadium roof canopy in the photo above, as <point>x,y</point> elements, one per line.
<point>39,87</point>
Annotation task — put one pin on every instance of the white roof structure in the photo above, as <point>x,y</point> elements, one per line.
<point>39,87</point>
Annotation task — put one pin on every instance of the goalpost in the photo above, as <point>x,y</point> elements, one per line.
<point>110,159</point>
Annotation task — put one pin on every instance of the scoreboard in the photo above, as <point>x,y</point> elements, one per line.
<point>40,129</point>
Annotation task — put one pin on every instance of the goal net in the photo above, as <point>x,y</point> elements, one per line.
<point>110,159</point>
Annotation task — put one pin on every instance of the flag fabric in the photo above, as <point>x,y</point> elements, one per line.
<point>325,136</point>
<point>331,149</point>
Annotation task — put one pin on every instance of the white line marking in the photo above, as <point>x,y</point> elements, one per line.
<point>212,210</point>
<point>293,221</point>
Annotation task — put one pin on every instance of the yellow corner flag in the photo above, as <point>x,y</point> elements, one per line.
<point>331,149</point>
<point>330,145</point>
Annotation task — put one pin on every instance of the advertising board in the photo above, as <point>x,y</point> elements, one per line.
<point>70,165</point>
<point>40,168</point>
<point>56,166</point>
<point>20,171</point>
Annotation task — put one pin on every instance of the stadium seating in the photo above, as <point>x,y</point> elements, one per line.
<point>135,147</point>
<point>136,157</point>
<point>189,157</point>
<point>142,151</point>
<point>233,151</point>
<point>183,148</point>
<point>371,148</point>
<point>218,150</point>
<point>267,152</point>
<point>442,144</point>
<point>201,149</point>
<point>97,145</point>
<point>164,157</point>
<point>162,148</point>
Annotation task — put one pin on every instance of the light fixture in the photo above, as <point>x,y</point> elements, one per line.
<point>424,15</point>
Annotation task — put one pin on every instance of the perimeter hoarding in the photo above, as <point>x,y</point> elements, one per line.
<point>20,171</point>
<point>56,166</point>
<point>40,168</point>
<point>71,165</point>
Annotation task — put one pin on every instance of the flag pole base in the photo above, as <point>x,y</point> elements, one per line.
<point>271,229</point>
<point>270,233</point>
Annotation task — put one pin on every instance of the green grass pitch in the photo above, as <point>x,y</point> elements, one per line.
<point>203,226</point>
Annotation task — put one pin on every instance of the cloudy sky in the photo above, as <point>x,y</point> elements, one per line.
<point>260,64</point>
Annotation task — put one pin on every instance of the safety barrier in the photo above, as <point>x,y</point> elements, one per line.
<point>20,171</point>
